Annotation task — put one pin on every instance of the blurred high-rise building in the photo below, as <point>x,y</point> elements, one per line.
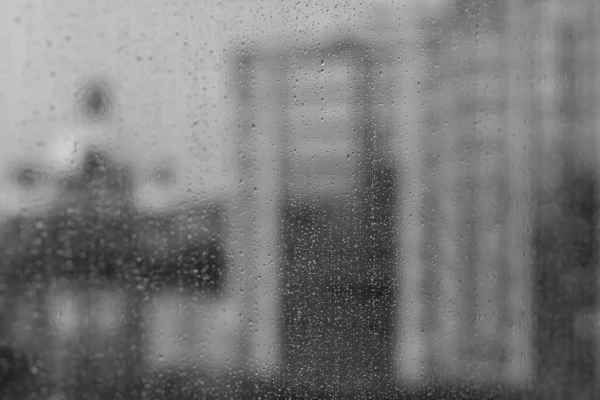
<point>464,264</point>
<point>446,103</point>
<point>507,134</point>
<point>565,76</point>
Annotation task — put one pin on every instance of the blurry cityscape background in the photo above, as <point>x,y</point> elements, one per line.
<point>403,191</point>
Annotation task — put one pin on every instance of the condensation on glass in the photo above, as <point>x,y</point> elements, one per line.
<point>344,198</point>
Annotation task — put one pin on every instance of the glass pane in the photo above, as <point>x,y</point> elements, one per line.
<point>250,199</point>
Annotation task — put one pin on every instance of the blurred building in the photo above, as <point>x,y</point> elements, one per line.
<point>511,92</point>
<point>448,151</point>
<point>566,123</point>
<point>466,202</point>
<point>473,102</point>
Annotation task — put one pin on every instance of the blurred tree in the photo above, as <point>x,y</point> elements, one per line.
<point>96,100</point>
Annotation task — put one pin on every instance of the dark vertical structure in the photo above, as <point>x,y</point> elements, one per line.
<point>566,247</point>
<point>339,243</point>
<point>336,214</point>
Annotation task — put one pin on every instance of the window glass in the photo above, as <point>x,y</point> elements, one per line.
<point>256,198</point>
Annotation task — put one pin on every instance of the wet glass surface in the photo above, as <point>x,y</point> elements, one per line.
<point>260,199</point>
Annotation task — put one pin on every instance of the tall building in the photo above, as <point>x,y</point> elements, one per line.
<point>509,139</point>
<point>466,250</point>
<point>566,275</point>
